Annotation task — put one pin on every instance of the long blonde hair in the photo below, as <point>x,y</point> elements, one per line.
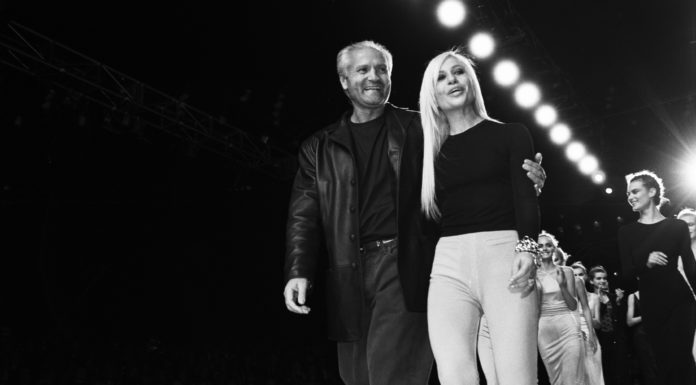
<point>435,125</point>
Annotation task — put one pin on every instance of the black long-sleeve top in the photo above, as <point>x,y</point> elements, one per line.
<point>481,184</point>
<point>661,287</point>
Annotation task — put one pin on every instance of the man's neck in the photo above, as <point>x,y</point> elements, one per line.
<point>362,115</point>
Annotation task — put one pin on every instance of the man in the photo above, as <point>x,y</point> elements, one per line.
<point>357,192</point>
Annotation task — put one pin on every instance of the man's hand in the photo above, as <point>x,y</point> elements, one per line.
<point>295,294</point>
<point>535,172</point>
<point>523,273</point>
<point>656,258</point>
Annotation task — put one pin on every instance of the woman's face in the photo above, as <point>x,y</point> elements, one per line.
<point>639,197</point>
<point>452,87</point>
<point>579,273</point>
<point>599,281</point>
<point>691,222</point>
<point>547,247</point>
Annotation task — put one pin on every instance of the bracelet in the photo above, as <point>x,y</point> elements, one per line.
<point>527,245</point>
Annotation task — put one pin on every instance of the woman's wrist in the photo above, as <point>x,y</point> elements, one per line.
<point>528,245</point>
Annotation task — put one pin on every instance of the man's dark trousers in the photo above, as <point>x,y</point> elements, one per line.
<point>394,348</point>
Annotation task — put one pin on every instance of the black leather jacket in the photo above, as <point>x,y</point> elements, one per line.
<point>323,216</point>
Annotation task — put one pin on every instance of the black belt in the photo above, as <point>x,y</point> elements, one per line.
<point>374,245</point>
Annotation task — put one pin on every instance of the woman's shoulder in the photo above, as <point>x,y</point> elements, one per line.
<point>512,126</point>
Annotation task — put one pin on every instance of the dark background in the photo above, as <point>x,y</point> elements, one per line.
<point>147,257</point>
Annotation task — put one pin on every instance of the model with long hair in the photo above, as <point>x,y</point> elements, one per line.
<point>489,218</point>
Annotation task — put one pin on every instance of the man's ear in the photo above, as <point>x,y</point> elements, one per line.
<point>344,82</point>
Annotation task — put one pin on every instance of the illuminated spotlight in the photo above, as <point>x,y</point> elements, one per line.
<point>481,45</point>
<point>599,177</point>
<point>607,190</point>
<point>545,115</point>
<point>689,173</point>
<point>527,95</point>
<point>451,13</point>
<point>575,151</point>
<point>560,134</point>
<point>588,164</point>
<point>506,73</point>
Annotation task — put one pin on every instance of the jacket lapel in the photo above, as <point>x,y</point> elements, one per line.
<point>341,135</point>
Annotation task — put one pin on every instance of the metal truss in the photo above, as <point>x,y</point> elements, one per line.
<point>30,52</point>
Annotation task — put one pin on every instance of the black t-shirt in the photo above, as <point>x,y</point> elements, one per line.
<point>481,184</point>
<point>376,180</point>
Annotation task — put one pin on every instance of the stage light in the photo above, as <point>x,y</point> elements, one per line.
<point>560,134</point>
<point>527,95</point>
<point>451,13</point>
<point>545,115</point>
<point>506,73</point>
<point>608,190</point>
<point>689,174</point>
<point>575,151</point>
<point>481,45</point>
<point>588,164</point>
<point>599,177</point>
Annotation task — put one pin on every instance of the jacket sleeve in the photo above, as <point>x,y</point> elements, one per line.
<point>303,232</point>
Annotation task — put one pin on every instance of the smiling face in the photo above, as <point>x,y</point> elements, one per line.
<point>452,89</point>
<point>366,79</point>
<point>548,249</point>
<point>599,281</point>
<point>639,197</point>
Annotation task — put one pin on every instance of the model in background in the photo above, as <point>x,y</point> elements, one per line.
<point>649,250</point>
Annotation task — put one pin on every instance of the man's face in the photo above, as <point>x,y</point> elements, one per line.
<point>691,222</point>
<point>366,78</point>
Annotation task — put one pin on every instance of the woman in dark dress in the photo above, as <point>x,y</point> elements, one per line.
<point>641,344</point>
<point>649,250</point>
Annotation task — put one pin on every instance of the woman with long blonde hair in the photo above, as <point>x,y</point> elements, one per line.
<point>489,218</point>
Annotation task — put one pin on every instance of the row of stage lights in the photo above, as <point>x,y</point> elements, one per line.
<point>507,74</point>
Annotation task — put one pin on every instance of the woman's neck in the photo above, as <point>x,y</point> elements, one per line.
<point>650,215</point>
<point>547,264</point>
<point>461,120</point>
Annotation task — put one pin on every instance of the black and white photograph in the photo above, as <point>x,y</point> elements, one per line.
<point>348,192</point>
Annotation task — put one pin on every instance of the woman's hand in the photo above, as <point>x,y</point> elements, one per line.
<point>592,339</point>
<point>560,277</point>
<point>656,258</point>
<point>523,272</point>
